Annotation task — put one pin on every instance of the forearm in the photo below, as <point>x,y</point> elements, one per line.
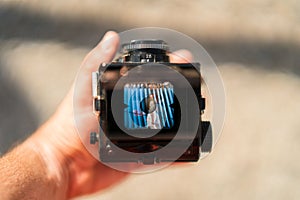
<point>24,174</point>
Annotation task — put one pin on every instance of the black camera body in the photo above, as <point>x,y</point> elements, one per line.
<point>139,109</point>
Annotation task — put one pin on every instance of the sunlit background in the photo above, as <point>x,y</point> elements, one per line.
<point>255,43</point>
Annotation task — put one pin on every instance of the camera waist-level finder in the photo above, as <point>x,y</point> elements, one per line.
<point>140,112</point>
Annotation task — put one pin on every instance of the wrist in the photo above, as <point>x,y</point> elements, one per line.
<point>53,159</point>
<point>48,152</point>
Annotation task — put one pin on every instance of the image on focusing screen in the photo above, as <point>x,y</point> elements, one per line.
<point>149,105</point>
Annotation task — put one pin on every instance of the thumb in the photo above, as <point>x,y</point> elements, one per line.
<point>104,52</point>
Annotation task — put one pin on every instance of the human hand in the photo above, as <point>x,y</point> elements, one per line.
<point>58,151</point>
<point>58,141</point>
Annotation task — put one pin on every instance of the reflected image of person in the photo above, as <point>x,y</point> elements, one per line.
<point>153,121</point>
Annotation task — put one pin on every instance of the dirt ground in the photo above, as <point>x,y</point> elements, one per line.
<point>255,43</point>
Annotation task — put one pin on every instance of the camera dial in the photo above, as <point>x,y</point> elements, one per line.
<point>144,51</point>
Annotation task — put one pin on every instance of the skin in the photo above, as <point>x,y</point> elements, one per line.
<point>53,163</point>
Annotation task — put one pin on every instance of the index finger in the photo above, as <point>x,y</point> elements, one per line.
<point>181,56</point>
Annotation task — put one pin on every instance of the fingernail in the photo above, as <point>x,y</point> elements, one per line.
<point>107,41</point>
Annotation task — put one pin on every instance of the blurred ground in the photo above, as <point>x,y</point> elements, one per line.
<point>255,43</point>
